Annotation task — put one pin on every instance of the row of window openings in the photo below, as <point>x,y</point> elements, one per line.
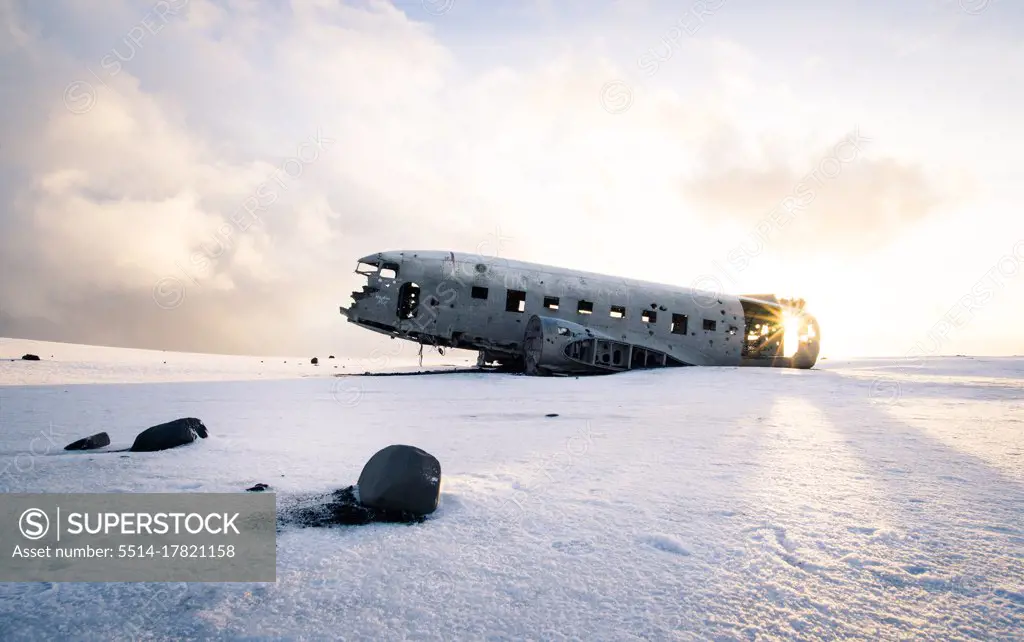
<point>515,301</point>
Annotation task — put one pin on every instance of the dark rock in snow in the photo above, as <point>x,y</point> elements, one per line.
<point>30,357</point>
<point>169,435</point>
<point>331,357</point>
<point>551,414</point>
<point>314,361</point>
<point>401,478</point>
<point>258,488</point>
<point>99,440</point>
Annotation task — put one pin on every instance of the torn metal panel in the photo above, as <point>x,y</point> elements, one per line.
<point>543,319</point>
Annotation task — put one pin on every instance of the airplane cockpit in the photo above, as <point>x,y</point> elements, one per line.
<point>381,301</point>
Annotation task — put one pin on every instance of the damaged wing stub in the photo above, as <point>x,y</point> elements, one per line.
<point>545,320</point>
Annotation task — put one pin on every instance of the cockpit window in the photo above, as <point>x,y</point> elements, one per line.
<point>389,271</point>
<point>385,271</point>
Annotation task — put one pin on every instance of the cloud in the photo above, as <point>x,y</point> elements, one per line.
<point>121,185</point>
<point>839,198</point>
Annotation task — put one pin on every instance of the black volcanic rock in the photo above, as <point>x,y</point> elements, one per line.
<point>401,478</point>
<point>99,440</point>
<point>169,435</point>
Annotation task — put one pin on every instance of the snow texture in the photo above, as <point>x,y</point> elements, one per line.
<point>873,499</point>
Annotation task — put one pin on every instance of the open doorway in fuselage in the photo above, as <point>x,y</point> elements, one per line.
<point>763,335</point>
<point>408,300</point>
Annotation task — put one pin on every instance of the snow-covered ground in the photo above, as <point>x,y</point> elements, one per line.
<point>871,499</point>
<point>65,363</point>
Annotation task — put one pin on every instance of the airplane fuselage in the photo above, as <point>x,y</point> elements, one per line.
<point>551,320</point>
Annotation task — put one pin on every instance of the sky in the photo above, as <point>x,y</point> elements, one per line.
<point>201,175</point>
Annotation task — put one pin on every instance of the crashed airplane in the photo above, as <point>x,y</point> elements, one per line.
<point>544,320</point>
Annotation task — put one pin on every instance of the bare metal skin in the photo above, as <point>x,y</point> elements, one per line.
<point>541,319</point>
